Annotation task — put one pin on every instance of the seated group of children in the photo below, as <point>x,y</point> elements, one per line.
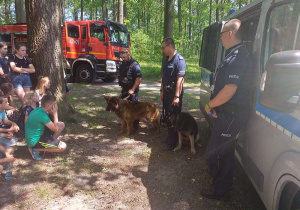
<point>40,132</point>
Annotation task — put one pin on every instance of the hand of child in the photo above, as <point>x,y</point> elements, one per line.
<point>10,159</point>
<point>54,108</point>
<point>9,112</point>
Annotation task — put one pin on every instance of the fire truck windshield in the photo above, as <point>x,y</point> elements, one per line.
<point>118,38</point>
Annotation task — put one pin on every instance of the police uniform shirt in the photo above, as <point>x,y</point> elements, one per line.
<point>235,69</point>
<point>173,68</point>
<point>134,73</point>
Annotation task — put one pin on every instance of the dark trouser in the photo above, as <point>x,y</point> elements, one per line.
<point>168,110</point>
<point>134,98</point>
<point>220,150</point>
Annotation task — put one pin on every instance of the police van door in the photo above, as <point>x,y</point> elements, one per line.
<point>209,59</point>
<point>273,131</point>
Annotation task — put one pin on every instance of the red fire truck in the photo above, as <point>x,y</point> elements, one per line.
<point>91,47</point>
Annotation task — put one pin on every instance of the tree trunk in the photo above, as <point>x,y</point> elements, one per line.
<point>115,10</point>
<point>45,48</point>
<point>121,11</point>
<point>75,14</point>
<point>179,18</point>
<point>124,9</point>
<point>81,10</point>
<point>20,11</point>
<point>217,11</point>
<point>63,19</point>
<point>169,18</point>
<point>210,10</point>
<point>104,9</point>
<point>6,11</point>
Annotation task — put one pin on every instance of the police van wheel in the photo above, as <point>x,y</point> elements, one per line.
<point>84,73</point>
<point>108,78</point>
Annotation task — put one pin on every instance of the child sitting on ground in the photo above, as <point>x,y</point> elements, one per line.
<point>42,88</point>
<point>6,161</point>
<point>30,99</point>
<point>7,128</point>
<point>40,132</point>
<point>12,112</point>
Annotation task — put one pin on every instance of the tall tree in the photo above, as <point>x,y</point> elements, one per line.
<point>20,11</point>
<point>115,10</point>
<point>81,9</point>
<point>104,9</point>
<point>169,18</point>
<point>43,18</point>
<point>121,11</point>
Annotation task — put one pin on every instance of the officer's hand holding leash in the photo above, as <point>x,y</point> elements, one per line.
<point>210,111</point>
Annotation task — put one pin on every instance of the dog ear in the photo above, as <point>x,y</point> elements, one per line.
<point>106,98</point>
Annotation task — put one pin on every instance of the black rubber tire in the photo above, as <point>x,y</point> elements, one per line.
<point>84,73</point>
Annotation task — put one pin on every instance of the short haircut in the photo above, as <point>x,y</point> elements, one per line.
<point>28,97</point>
<point>2,44</point>
<point>47,99</point>
<point>235,26</point>
<point>6,87</point>
<point>19,45</point>
<point>169,41</point>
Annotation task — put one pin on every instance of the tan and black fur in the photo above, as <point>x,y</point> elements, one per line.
<point>186,126</point>
<point>129,112</point>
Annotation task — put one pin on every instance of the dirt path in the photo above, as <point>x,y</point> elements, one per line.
<point>103,170</point>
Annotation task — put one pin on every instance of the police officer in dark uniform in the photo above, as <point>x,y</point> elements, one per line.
<point>171,91</point>
<point>230,107</point>
<point>130,79</point>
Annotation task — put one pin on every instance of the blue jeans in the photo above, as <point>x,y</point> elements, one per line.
<point>20,81</point>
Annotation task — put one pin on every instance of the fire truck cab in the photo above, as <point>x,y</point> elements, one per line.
<point>92,47</point>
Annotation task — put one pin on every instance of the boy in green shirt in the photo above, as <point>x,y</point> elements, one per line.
<point>40,132</point>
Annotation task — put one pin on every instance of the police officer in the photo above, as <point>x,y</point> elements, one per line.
<point>130,79</point>
<point>171,90</point>
<point>229,107</point>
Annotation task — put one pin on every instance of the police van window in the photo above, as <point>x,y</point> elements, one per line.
<point>97,32</point>
<point>73,31</point>
<point>282,32</point>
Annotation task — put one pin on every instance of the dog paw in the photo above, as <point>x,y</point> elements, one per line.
<point>177,148</point>
<point>193,152</point>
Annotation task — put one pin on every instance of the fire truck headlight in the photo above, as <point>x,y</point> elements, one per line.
<point>111,66</point>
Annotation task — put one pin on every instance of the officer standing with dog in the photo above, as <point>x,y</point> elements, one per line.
<point>230,107</point>
<point>130,79</point>
<point>171,90</point>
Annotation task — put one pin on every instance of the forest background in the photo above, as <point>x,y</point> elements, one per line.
<point>148,21</point>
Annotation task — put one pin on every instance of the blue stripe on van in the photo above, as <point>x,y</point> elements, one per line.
<point>282,121</point>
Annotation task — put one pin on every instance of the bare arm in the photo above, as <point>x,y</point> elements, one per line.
<point>29,70</point>
<point>135,85</point>
<point>223,96</point>
<point>179,85</point>
<point>54,125</point>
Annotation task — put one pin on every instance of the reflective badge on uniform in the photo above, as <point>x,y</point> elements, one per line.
<point>212,88</point>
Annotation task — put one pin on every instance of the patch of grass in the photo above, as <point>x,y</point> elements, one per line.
<point>151,70</point>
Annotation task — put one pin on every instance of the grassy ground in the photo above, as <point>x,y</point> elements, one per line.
<point>152,69</point>
<point>103,170</point>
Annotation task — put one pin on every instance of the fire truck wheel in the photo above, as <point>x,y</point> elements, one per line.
<point>84,73</point>
<point>108,79</point>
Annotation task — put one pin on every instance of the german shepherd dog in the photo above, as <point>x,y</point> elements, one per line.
<point>129,112</point>
<point>186,126</point>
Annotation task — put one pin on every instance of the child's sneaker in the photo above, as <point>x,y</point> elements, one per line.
<point>35,154</point>
<point>8,175</point>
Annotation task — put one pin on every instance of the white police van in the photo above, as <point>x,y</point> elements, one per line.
<point>268,147</point>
